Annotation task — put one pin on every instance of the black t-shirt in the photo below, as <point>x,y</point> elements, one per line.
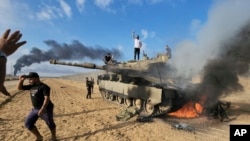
<point>37,93</point>
<point>88,83</point>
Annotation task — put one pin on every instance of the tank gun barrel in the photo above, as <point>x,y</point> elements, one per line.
<point>84,65</point>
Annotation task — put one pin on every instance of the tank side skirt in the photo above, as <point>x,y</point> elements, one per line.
<point>149,95</point>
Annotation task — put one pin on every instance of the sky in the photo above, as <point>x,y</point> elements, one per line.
<point>84,30</point>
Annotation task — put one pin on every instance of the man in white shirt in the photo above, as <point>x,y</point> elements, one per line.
<point>137,46</point>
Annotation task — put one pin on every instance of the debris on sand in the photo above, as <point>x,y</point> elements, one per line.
<point>183,126</point>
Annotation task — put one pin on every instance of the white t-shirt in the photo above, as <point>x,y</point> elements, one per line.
<point>137,43</point>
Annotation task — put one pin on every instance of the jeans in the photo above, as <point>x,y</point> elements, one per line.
<point>137,53</point>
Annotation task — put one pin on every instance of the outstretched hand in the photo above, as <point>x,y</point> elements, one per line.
<point>9,44</point>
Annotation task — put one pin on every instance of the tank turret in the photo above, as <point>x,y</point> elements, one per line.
<point>147,69</point>
<point>142,84</point>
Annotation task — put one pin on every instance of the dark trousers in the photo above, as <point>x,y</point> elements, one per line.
<point>47,116</point>
<point>137,53</point>
<point>92,87</point>
<point>89,92</point>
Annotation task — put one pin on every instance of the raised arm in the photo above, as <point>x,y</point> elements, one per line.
<point>20,83</point>
<point>8,45</point>
<point>133,35</point>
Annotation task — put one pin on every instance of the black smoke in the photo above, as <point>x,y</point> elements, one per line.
<point>221,74</point>
<point>75,50</point>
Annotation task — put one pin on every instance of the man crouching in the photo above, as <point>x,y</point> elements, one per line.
<point>42,105</point>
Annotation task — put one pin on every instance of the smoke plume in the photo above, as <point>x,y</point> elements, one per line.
<point>220,75</point>
<point>220,52</point>
<point>75,50</point>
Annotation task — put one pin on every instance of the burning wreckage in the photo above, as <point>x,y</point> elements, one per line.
<point>145,85</point>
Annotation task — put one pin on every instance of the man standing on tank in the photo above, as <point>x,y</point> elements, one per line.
<point>137,45</point>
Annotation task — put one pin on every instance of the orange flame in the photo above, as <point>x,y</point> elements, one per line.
<point>190,110</point>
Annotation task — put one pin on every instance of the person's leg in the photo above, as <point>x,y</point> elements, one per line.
<point>134,53</point>
<point>30,124</point>
<point>138,53</point>
<point>35,131</point>
<point>89,89</point>
<point>47,116</point>
<point>88,93</point>
<point>53,134</point>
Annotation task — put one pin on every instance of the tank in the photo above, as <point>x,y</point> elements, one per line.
<point>143,84</point>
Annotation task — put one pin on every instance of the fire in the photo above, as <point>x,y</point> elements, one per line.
<point>191,109</point>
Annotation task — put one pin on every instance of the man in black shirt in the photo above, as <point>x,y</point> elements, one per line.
<point>42,105</point>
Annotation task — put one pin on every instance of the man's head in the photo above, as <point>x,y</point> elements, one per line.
<point>137,36</point>
<point>33,77</point>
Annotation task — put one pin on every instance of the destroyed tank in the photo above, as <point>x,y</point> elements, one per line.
<point>142,84</point>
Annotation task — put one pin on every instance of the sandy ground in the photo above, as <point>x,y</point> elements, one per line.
<point>80,119</point>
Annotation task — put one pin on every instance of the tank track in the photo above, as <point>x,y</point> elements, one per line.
<point>143,109</point>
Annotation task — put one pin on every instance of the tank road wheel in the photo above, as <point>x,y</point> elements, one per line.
<point>119,100</point>
<point>165,107</point>
<point>111,97</point>
<point>149,108</point>
<point>106,95</point>
<point>102,93</point>
<point>127,102</point>
<point>138,103</point>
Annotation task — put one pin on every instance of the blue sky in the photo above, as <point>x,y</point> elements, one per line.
<point>182,24</point>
